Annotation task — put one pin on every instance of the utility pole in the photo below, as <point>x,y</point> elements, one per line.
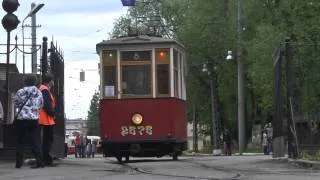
<point>241,98</point>
<point>34,41</point>
<point>278,134</point>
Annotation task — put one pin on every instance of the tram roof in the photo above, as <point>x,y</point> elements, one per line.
<point>136,40</point>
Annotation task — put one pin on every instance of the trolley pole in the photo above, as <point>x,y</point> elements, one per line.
<point>241,104</point>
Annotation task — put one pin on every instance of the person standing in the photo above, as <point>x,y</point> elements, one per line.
<point>94,148</point>
<point>227,142</point>
<point>269,130</point>
<point>28,102</point>
<point>77,146</point>
<point>47,118</point>
<point>265,143</point>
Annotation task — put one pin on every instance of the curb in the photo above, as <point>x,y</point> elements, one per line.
<point>306,163</point>
<point>235,154</point>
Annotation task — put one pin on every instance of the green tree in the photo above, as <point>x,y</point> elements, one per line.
<point>207,28</point>
<point>93,116</point>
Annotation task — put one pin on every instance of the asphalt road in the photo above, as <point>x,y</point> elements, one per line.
<point>188,167</point>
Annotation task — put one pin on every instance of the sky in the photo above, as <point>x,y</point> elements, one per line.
<point>76,26</point>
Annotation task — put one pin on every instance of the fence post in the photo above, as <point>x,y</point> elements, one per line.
<point>292,138</point>
<point>44,59</point>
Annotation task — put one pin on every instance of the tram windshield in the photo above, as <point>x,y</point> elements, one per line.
<point>143,73</point>
<point>136,73</point>
<point>136,80</point>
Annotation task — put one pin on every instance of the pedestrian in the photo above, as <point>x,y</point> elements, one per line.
<point>47,118</point>
<point>88,148</point>
<point>28,102</point>
<point>269,131</point>
<point>94,148</point>
<point>227,142</point>
<point>83,143</point>
<point>78,146</point>
<point>265,143</point>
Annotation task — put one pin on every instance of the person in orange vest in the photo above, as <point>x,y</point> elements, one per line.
<point>47,118</point>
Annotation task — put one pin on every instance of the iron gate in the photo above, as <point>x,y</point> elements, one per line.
<point>55,66</point>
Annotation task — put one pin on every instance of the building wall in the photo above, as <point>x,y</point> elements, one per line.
<point>76,125</point>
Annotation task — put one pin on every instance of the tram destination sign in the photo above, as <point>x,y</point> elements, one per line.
<point>136,55</point>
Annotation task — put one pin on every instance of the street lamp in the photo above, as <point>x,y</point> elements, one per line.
<point>9,22</point>
<point>32,12</point>
<point>229,56</point>
<point>215,149</point>
<point>241,120</point>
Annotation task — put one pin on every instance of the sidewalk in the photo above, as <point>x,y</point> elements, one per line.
<point>299,162</point>
<point>306,163</point>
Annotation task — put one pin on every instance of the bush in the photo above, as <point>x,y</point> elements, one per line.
<point>311,157</point>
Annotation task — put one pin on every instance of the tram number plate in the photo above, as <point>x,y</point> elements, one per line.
<point>136,130</point>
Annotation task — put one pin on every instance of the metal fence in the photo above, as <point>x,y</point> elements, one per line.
<point>56,67</point>
<point>297,97</point>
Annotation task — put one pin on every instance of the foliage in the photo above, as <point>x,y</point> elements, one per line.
<point>93,116</point>
<point>311,157</point>
<point>207,28</point>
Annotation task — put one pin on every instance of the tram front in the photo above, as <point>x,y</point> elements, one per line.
<point>142,105</point>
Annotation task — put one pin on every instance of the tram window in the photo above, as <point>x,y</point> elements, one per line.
<point>136,80</point>
<point>163,78</point>
<point>109,74</point>
<point>176,73</point>
<point>109,57</point>
<point>176,94</point>
<point>175,58</point>
<point>136,55</point>
<point>163,56</point>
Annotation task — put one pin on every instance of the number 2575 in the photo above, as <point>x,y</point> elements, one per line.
<point>136,130</point>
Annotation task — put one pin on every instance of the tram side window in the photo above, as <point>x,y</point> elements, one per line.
<point>163,79</point>
<point>136,80</point>
<point>162,71</point>
<point>175,69</point>
<point>109,80</point>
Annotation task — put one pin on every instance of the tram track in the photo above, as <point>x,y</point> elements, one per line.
<point>236,171</point>
<point>240,173</point>
<point>148,172</point>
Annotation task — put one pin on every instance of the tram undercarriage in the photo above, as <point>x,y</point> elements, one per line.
<point>143,149</point>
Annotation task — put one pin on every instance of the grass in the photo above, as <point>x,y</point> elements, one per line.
<point>311,157</point>
<point>254,150</point>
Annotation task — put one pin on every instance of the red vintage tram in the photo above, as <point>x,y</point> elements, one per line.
<point>143,93</point>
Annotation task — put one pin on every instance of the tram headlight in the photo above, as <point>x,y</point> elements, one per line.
<point>137,119</point>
